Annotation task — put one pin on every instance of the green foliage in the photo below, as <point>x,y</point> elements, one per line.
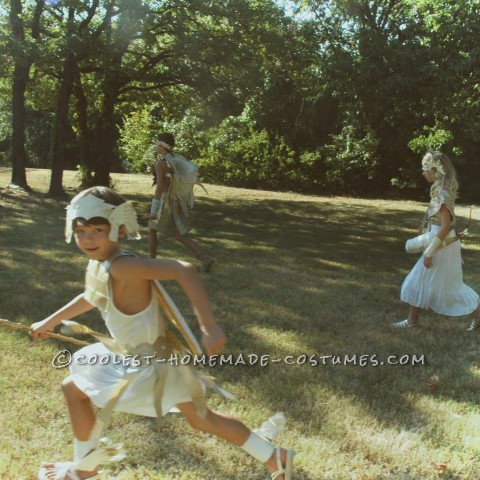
<point>433,138</point>
<point>189,132</point>
<point>5,115</point>
<point>38,136</point>
<point>238,154</point>
<point>331,97</point>
<point>351,160</point>
<point>137,140</point>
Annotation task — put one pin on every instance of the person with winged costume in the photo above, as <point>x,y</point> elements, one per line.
<point>172,204</point>
<point>134,373</point>
<point>436,280</point>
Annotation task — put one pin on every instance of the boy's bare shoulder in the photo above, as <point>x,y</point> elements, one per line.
<point>129,268</point>
<point>125,263</point>
<point>161,164</point>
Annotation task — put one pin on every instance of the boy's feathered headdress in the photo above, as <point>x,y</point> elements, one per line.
<point>90,206</point>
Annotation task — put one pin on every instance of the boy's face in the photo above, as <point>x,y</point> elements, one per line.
<point>93,241</point>
<point>161,149</point>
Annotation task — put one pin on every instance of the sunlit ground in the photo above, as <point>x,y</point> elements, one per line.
<point>300,279</point>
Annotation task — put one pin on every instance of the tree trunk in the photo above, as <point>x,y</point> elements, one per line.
<point>19,154</point>
<point>86,160</point>
<point>61,126</point>
<point>20,80</point>
<point>106,140</point>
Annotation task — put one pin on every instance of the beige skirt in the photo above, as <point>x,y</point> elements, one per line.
<point>171,219</point>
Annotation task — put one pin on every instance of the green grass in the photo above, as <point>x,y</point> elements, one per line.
<point>295,275</point>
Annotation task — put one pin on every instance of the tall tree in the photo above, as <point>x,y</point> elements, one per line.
<point>23,53</point>
<point>118,37</point>
<point>75,38</point>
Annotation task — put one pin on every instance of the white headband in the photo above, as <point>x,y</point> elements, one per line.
<point>164,144</point>
<point>429,164</point>
<point>90,206</point>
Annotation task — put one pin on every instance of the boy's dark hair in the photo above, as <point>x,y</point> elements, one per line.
<point>108,196</point>
<point>167,138</point>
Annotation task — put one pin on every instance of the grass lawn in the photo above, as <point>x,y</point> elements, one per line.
<point>296,278</point>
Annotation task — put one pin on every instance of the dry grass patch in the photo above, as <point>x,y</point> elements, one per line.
<point>296,277</point>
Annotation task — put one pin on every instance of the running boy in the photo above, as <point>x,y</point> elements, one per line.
<point>120,285</point>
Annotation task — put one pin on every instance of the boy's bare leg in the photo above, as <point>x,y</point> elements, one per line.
<point>152,242</point>
<point>82,420</point>
<point>80,410</point>
<point>193,246</point>
<point>189,242</point>
<point>223,426</point>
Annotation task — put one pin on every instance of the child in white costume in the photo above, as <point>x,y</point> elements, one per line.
<point>436,281</point>
<point>120,285</point>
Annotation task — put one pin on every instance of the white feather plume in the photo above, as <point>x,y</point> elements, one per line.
<point>273,427</point>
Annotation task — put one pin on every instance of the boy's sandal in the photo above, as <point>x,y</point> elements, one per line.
<point>474,326</point>
<point>404,324</point>
<point>64,471</point>
<point>105,453</point>
<point>287,470</point>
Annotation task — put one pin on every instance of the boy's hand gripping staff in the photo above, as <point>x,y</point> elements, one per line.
<point>26,328</point>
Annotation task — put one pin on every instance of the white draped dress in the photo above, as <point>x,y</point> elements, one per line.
<point>440,288</point>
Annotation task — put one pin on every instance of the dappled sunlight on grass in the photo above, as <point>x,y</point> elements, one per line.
<point>295,277</point>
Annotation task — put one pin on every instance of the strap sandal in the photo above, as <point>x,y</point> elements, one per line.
<point>287,470</point>
<point>105,453</point>
<point>63,471</point>
<point>404,324</point>
<point>474,326</point>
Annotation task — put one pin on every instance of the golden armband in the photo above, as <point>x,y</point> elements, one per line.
<point>435,244</point>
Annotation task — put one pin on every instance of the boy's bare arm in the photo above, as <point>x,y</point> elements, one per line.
<point>213,337</point>
<point>72,309</point>
<point>160,175</point>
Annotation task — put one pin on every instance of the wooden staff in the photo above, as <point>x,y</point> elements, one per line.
<point>25,328</point>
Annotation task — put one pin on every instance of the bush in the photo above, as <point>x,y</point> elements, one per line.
<point>137,136</point>
<point>239,155</point>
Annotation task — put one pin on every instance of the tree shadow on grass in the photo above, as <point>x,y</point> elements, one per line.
<point>292,278</point>
<point>173,447</point>
<point>329,277</point>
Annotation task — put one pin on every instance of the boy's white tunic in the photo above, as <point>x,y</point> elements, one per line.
<point>100,379</point>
